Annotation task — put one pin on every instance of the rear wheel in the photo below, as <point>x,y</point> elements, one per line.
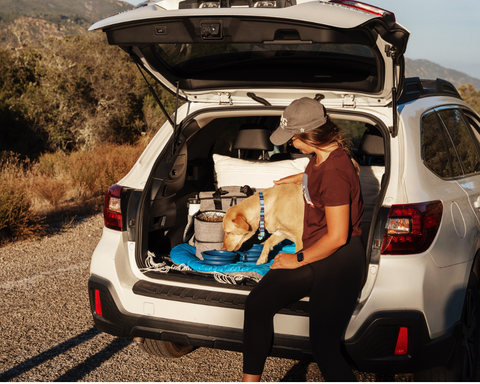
<point>164,348</point>
<point>464,362</point>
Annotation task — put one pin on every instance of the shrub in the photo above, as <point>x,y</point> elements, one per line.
<point>50,189</point>
<point>74,93</point>
<point>17,219</point>
<point>94,171</point>
<point>52,164</point>
<point>470,95</point>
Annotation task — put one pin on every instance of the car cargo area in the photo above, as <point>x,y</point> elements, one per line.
<point>220,164</point>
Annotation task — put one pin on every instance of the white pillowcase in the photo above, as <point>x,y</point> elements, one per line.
<point>254,173</point>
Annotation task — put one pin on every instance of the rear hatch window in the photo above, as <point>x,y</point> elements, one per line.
<point>354,66</point>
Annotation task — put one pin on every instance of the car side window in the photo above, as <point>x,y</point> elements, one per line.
<point>434,147</point>
<point>461,138</point>
<point>475,128</point>
<point>474,124</point>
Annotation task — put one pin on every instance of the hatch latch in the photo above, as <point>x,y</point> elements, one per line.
<point>349,101</point>
<point>225,98</point>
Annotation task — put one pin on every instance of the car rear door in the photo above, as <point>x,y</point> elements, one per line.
<point>231,54</point>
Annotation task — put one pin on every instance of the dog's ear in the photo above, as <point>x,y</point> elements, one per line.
<point>241,222</point>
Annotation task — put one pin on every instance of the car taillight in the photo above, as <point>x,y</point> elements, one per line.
<point>411,228</point>
<point>112,212</point>
<point>364,7</point>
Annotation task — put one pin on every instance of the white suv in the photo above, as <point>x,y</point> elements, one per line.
<point>235,65</point>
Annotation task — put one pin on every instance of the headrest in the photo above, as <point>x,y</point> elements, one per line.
<point>253,136</point>
<point>371,143</point>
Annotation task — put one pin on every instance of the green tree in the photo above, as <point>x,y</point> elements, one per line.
<point>470,95</point>
<point>74,93</point>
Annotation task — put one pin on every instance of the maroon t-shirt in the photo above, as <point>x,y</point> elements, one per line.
<point>334,182</point>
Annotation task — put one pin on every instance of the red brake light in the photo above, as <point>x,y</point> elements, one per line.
<point>98,303</point>
<point>364,7</point>
<point>411,228</point>
<point>112,212</point>
<point>402,341</point>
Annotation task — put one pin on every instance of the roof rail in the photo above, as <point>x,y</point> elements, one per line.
<point>415,88</point>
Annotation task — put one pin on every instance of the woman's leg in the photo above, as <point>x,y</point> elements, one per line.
<point>335,290</point>
<point>278,288</point>
<point>251,378</point>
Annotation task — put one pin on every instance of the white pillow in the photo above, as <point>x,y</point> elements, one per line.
<point>255,173</point>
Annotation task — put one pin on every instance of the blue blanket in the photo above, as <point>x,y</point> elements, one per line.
<point>185,254</point>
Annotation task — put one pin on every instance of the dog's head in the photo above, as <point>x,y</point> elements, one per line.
<point>237,229</point>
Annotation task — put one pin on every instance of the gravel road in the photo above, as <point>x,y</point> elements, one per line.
<point>48,333</point>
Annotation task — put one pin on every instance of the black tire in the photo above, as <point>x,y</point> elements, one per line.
<point>464,364</point>
<point>165,348</point>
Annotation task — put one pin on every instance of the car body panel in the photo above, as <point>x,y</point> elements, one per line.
<point>416,283</point>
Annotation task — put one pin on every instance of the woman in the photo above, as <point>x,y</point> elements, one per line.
<point>330,268</point>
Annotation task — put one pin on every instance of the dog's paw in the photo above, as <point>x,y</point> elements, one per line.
<point>262,260</point>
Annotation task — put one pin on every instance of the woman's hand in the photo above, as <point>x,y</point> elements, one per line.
<point>293,179</point>
<point>285,261</point>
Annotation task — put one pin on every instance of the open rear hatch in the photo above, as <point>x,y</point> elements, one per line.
<point>279,54</point>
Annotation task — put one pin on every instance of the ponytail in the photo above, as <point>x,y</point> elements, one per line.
<point>346,145</point>
<point>327,134</point>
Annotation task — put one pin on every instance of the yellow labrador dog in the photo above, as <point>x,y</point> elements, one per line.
<point>284,207</point>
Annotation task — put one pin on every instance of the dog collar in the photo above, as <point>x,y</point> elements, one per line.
<point>262,217</point>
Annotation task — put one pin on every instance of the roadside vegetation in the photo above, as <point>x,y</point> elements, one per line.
<point>58,186</point>
<point>470,95</point>
<point>75,114</point>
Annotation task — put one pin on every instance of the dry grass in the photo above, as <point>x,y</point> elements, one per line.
<point>95,171</point>
<point>17,219</point>
<point>50,189</point>
<point>58,187</point>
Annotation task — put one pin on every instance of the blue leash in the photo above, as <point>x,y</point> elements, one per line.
<point>262,217</point>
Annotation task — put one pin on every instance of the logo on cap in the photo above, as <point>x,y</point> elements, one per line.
<point>283,123</point>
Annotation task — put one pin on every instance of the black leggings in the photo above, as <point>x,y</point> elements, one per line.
<point>333,285</point>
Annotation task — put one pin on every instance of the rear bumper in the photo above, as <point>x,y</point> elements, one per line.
<point>118,322</point>
<point>370,350</point>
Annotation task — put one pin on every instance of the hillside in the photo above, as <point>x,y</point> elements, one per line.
<point>425,69</point>
<point>29,21</point>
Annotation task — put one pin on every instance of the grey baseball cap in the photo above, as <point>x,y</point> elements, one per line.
<point>302,115</point>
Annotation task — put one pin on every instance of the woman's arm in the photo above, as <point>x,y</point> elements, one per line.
<point>338,221</point>
<point>293,179</point>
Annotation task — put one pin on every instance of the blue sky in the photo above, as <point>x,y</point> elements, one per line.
<point>446,32</point>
